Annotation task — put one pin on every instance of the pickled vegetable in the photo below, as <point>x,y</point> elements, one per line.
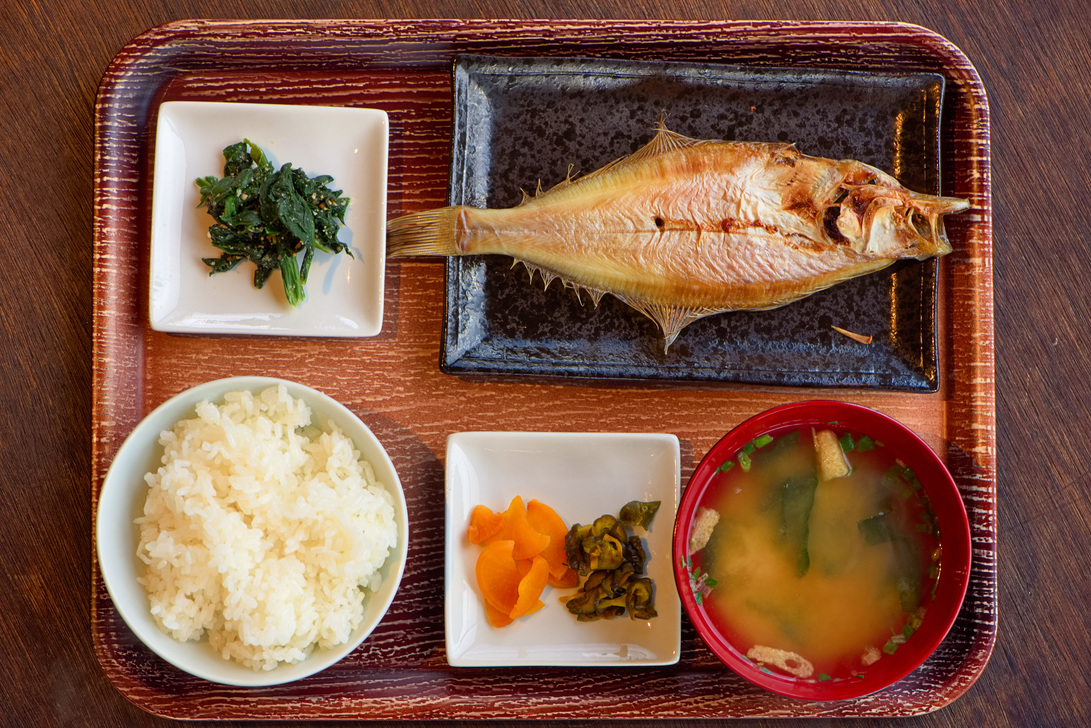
<point>523,553</point>
<point>612,560</point>
<point>639,513</point>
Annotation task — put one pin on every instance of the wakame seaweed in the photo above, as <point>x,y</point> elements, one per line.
<point>268,216</point>
<point>796,505</point>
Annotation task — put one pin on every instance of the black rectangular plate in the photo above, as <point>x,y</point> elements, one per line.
<point>520,122</point>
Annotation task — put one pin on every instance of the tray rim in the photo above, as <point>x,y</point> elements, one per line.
<point>973,365</point>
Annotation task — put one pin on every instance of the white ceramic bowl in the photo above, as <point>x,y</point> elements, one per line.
<point>122,499</point>
<point>344,296</point>
<point>581,476</point>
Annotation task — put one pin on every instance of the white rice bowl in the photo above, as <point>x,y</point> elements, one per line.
<point>245,542</point>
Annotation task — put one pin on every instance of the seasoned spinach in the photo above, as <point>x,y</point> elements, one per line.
<point>268,216</point>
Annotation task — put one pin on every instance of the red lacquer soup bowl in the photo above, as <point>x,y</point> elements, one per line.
<point>819,527</point>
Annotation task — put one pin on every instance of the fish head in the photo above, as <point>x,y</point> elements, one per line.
<point>877,216</point>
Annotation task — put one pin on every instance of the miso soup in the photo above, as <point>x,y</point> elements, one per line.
<point>812,576</point>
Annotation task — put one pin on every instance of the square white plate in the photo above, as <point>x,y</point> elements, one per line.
<point>344,296</point>
<point>581,476</point>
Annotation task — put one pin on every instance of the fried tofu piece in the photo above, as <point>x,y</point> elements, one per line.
<point>706,520</point>
<point>783,660</point>
<point>832,462</point>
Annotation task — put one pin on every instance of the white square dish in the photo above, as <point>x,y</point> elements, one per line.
<point>581,476</point>
<point>344,296</point>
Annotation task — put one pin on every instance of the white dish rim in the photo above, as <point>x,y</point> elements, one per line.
<point>345,295</point>
<point>649,643</point>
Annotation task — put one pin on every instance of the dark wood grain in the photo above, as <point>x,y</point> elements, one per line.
<point>1033,61</point>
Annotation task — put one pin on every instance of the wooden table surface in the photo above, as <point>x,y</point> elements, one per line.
<point>1034,65</point>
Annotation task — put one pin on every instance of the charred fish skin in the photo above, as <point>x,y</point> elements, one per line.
<point>685,228</point>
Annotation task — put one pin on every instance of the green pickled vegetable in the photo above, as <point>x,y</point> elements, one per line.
<point>639,513</point>
<point>638,599</point>
<point>269,216</point>
<point>605,525</point>
<point>612,560</point>
<point>604,553</point>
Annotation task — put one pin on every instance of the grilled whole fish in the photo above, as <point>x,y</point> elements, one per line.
<point>685,228</point>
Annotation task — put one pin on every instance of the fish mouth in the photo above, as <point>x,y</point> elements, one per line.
<point>880,221</point>
<point>939,236</point>
<point>930,234</point>
<point>926,216</point>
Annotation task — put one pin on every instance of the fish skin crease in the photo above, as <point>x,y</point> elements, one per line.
<point>686,228</point>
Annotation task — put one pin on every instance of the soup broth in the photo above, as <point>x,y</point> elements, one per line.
<point>817,579</point>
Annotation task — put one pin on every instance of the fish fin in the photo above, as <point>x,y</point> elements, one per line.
<point>663,142</point>
<point>593,293</point>
<point>671,319</point>
<point>429,232</point>
<point>538,191</point>
<point>596,294</point>
<point>549,276</point>
<point>546,274</point>
<point>567,181</point>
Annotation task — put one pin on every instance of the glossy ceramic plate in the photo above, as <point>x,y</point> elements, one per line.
<point>582,476</point>
<point>519,122</point>
<point>344,296</point>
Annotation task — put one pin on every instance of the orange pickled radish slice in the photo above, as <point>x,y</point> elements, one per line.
<point>484,524</point>
<point>545,520</point>
<point>498,576</point>
<point>568,580</point>
<point>531,587</point>
<point>523,552</point>
<point>496,617</point>
<point>529,542</point>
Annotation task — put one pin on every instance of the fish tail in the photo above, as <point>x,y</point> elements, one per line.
<point>429,232</point>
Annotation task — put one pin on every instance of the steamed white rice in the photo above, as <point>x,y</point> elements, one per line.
<point>261,532</point>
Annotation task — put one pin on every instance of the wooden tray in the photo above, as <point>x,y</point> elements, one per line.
<point>394,383</point>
